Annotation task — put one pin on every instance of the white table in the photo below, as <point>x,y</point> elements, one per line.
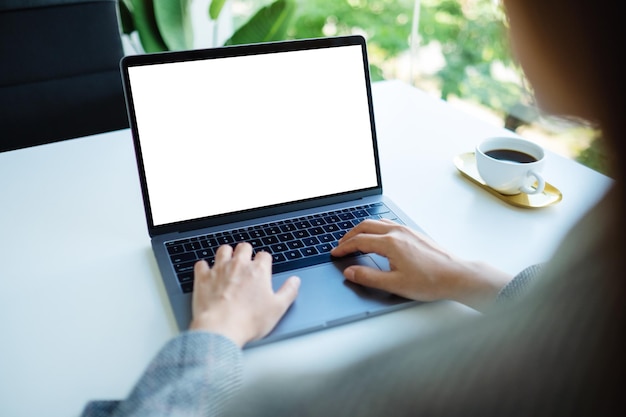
<point>82,307</point>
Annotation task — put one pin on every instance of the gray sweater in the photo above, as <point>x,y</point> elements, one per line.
<point>557,351</point>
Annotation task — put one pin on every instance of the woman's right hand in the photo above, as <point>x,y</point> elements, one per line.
<point>235,297</point>
<point>419,268</point>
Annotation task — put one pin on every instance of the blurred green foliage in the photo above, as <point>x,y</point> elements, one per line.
<point>474,45</point>
<point>469,33</point>
<point>596,157</point>
<point>166,25</point>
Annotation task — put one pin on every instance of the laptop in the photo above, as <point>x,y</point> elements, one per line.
<point>272,144</point>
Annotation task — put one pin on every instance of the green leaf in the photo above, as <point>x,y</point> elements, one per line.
<point>215,8</point>
<point>126,17</point>
<point>376,73</point>
<point>268,24</point>
<point>174,23</point>
<point>145,22</point>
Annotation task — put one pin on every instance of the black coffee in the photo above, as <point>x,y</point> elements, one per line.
<point>511,155</point>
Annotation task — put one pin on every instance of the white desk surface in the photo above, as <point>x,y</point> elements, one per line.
<point>82,307</point>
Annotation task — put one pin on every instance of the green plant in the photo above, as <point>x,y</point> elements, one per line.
<point>165,25</point>
<point>386,24</point>
<point>472,38</point>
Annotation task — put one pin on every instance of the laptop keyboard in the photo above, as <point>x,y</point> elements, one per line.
<point>293,243</point>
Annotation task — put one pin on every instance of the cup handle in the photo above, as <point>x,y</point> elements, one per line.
<point>541,184</point>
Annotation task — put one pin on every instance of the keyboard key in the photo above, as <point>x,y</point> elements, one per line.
<point>225,240</point>
<point>360,213</point>
<point>280,247</point>
<point>187,287</point>
<point>300,234</point>
<point>192,246</point>
<point>293,254</point>
<point>326,238</point>
<point>332,219</point>
<point>310,241</point>
<point>278,257</point>
<point>272,230</point>
<point>324,247</point>
<point>256,243</point>
<point>360,219</point>
<point>285,237</point>
<point>183,257</point>
<point>316,230</point>
<point>184,266</point>
<point>174,249</point>
<point>345,225</point>
<point>346,216</point>
<point>304,224</point>
<point>390,216</point>
<point>241,237</point>
<point>317,222</point>
<point>256,233</point>
<point>185,277</point>
<point>295,244</point>
<point>269,240</point>
<point>309,251</point>
<point>204,253</point>
<point>340,234</point>
<point>378,209</point>
<point>209,243</point>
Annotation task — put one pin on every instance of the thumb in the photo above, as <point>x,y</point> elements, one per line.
<point>288,292</point>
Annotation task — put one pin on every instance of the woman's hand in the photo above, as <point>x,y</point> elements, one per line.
<point>235,297</point>
<point>419,269</point>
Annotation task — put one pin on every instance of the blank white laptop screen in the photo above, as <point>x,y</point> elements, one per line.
<point>230,134</point>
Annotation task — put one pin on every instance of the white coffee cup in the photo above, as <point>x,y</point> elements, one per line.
<point>511,165</point>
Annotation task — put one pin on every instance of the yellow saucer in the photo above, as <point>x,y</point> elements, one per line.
<point>466,164</point>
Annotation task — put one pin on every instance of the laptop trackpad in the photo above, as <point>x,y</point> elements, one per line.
<point>326,298</point>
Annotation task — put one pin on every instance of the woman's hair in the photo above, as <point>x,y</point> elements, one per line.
<point>586,38</point>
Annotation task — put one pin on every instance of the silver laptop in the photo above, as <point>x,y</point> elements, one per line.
<point>272,144</point>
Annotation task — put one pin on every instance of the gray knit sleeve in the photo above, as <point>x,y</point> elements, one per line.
<point>196,373</point>
<point>520,284</point>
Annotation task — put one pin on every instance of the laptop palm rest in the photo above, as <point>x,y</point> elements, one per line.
<point>327,299</point>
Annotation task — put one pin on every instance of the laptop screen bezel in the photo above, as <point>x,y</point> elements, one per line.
<point>234,51</point>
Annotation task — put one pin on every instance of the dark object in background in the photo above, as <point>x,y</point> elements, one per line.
<point>59,77</point>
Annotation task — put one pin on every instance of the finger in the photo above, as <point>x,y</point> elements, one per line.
<point>287,293</point>
<point>243,250</point>
<point>262,255</point>
<point>264,258</point>
<point>283,298</point>
<point>366,243</point>
<point>200,268</point>
<point>223,253</point>
<point>369,277</point>
<point>201,271</point>
<point>366,226</point>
